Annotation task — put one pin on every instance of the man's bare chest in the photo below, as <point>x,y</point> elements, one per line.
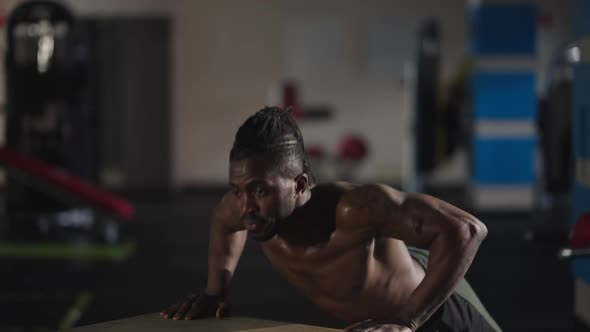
<point>331,268</point>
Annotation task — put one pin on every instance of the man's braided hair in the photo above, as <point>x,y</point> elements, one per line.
<point>272,133</point>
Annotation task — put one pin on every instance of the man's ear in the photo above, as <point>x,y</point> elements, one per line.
<point>301,183</point>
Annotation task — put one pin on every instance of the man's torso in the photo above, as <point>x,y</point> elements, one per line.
<point>351,272</point>
<point>346,270</point>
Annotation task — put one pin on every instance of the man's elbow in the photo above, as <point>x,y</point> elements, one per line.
<point>477,230</point>
<point>472,231</point>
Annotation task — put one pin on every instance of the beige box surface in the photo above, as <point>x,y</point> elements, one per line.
<point>155,323</point>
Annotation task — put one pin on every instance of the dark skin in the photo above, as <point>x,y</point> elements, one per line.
<point>342,245</point>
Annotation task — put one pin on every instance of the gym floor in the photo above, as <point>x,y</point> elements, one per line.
<point>522,283</point>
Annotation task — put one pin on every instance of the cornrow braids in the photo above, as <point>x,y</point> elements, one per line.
<point>271,132</point>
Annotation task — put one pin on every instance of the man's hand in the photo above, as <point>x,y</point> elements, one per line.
<point>375,326</point>
<point>198,306</point>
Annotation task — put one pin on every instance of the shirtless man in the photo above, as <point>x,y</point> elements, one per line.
<point>351,249</point>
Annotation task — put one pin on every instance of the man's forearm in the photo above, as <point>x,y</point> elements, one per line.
<point>218,280</point>
<point>225,248</point>
<point>451,254</point>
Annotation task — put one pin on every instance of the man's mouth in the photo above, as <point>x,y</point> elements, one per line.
<point>254,225</point>
<point>260,229</point>
<point>251,227</point>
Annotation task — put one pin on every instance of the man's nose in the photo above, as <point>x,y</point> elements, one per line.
<point>249,205</point>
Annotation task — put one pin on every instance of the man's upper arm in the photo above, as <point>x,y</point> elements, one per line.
<point>416,219</point>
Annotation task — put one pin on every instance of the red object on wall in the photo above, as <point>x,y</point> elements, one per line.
<point>291,99</point>
<point>545,20</point>
<point>352,148</point>
<point>581,235</point>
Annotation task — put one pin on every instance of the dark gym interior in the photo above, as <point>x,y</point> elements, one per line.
<point>117,118</point>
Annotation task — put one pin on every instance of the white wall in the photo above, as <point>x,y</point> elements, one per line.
<point>226,58</point>
<point>228,55</point>
<point>365,100</point>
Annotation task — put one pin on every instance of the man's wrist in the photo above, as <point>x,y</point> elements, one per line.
<point>406,321</point>
<point>215,293</point>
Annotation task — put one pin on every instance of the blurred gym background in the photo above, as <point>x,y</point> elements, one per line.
<point>116,120</point>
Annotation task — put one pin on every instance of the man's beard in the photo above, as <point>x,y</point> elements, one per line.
<point>270,230</point>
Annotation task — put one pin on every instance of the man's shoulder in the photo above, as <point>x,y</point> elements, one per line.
<point>357,204</point>
<point>364,196</point>
<point>352,189</point>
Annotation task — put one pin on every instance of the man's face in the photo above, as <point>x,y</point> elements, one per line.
<point>263,196</point>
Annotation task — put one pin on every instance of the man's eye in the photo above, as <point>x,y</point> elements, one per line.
<point>260,192</point>
<point>236,193</point>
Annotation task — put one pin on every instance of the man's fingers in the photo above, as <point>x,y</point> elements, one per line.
<point>361,326</point>
<point>198,306</point>
<point>365,328</point>
<point>372,326</point>
<point>182,310</point>
<point>170,311</point>
<point>223,310</point>
<point>195,311</point>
